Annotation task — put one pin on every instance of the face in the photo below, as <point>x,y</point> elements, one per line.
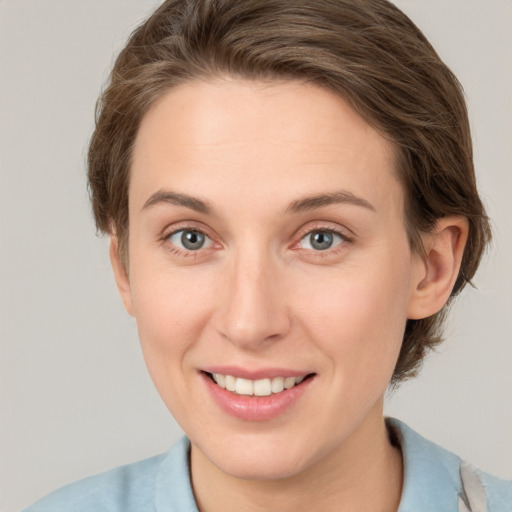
<point>267,252</point>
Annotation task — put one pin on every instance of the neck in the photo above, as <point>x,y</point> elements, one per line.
<point>363,474</point>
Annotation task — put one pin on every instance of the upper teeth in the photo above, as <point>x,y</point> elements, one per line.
<point>261,387</point>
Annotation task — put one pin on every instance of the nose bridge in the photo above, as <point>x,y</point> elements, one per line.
<point>254,310</point>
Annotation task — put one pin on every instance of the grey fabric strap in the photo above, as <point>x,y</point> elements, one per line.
<point>473,498</point>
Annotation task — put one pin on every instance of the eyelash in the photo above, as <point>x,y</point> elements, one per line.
<point>346,239</point>
<point>183,254</point>
<point>165,239</point>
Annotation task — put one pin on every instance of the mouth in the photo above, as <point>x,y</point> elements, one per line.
<point>259,387</point>
<point>269,394</point>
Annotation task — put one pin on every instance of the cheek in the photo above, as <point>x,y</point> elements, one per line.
<point>171,313</point>
<point>358,318</point>
<point>171,308</point>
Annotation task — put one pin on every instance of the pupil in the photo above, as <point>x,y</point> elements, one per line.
<point>321,240</point>
<point>192,240</point>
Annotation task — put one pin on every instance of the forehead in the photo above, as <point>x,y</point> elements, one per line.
<point>287,139</point>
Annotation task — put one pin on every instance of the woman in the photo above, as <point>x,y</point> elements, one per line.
<point>290,196</point>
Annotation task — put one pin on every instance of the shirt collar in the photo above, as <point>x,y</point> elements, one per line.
<point>173,489</point>
<point>431,474</point>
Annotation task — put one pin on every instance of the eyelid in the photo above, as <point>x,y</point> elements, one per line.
<point>334,234</point>
<point>347,235</point>
<point>330,227</point>
<point>208,240</point>
<point>189,225</point>
<point>186,225</point>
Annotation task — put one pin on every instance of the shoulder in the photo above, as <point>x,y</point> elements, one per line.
<point>128,488</point>
<point>498,492</point>
<point>437,479</point>
<point>114,490</point>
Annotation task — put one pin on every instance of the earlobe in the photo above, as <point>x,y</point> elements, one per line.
<point>121,275</point>
<point>437,269</point>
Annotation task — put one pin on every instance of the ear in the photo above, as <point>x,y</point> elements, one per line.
<point>437,269</point>
<point>121,275</point>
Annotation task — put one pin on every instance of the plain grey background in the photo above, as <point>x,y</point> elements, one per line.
<point>75,396</point>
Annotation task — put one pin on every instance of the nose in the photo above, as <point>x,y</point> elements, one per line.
<point>254,311</point>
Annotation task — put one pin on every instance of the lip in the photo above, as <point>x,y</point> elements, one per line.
<point>255,374</point>
<point>256,408</point>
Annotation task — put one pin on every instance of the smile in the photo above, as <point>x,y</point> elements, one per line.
<point>260,387</point>
<point>267,395</point>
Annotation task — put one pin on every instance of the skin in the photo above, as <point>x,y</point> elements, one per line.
<point>259,295</point>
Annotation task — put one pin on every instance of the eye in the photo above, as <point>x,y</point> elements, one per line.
<point>190,240</point>
<point>321,240</point>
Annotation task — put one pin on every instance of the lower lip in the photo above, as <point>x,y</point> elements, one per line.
<point>255,408</point>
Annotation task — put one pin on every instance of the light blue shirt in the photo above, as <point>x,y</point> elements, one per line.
<point>432,483</point>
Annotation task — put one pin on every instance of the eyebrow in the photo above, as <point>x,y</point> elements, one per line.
<point>299,205</point>
<point>341,197</point>
<point>193,203</point>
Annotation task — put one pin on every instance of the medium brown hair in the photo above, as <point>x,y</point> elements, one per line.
<point>366,51</point>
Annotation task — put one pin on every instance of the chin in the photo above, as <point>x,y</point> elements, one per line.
<point>257,458</point>
<point>260,468</point>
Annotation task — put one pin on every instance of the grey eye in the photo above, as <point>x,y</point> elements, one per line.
<point>321,240</point>
<point>190,239</point>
